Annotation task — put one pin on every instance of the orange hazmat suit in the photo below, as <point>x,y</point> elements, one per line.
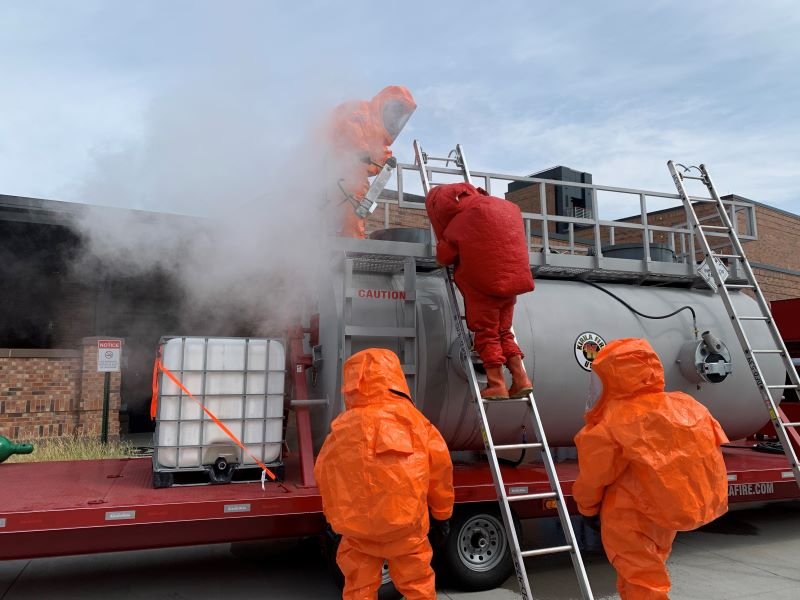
<point>650,465</point>
<point>360,135</point>
<point>380,470</point>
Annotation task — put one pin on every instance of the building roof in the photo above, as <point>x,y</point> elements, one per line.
<point>732,197</point>
<point>55,212</point>
<point>761,204</point>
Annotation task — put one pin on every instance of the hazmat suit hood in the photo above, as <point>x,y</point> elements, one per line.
<point>369,374</point>
<point>383,465</point>
<point>627,368</point>
<point>392,107</point>
<point>443,203</point>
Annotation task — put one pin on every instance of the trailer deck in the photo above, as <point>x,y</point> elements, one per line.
<point>80,507</point>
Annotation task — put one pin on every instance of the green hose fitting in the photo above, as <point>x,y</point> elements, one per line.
<point>8,448</point>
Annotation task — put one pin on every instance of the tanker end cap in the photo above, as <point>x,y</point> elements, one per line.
<point>706,361</point>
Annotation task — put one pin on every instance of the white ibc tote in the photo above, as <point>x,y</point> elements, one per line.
<point>240,380</point>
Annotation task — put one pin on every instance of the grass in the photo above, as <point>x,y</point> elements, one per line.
<point>73,448</point>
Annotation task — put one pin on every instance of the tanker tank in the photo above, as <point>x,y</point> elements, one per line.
<point>559,326</point>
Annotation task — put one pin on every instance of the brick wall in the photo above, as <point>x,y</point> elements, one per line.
<point>398,217</point>
<point>52,393</point>
<point>774,255</point>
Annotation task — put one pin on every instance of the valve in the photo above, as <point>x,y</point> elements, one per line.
<point>705,360</point>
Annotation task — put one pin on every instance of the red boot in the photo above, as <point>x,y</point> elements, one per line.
<point>496,385</point>
<point>521,386</point>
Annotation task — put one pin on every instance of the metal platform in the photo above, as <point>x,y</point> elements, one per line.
<point>62,508</point>
<point>578,253</point>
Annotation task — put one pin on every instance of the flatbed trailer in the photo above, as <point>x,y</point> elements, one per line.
<point>80,507</point>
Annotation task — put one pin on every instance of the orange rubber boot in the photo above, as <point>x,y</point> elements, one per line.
<point>496,385</point>
<point>521,386</point>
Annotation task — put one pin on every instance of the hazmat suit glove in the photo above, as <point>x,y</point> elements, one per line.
<point>592,522</point>
<point>439,532</point>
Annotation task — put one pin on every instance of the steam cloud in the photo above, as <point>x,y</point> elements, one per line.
<point>241,170</point>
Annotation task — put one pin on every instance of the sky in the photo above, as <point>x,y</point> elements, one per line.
<point>174,105</point>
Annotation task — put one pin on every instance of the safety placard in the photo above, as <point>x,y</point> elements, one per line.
<point>109,355</point>
<point>704,270</point>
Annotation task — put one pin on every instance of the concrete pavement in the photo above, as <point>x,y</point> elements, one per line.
<point>746,554</point>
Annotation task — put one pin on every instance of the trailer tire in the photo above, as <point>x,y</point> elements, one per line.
<point>476,555</point>
<point>331,540</point>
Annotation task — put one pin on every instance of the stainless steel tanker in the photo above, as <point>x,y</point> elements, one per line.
<point>560,326</point>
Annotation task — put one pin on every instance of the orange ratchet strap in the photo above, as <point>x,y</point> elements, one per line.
<point>159,366</point>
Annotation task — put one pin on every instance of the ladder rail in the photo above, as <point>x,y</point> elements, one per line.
<point>561,504</point>
<point>751,276</point>
<point>494,464</point>
<point>750,354</point>
<point>517,554</point>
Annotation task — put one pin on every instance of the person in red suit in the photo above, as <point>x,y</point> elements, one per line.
<point>360,134</point>
<point>484,238</point>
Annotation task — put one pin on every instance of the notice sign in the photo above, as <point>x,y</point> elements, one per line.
<point>109,353</point>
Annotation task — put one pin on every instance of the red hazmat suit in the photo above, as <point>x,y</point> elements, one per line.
<point>650,464</point>
<point>379,471</point>
<point>484,238</point>
<point>360,135</point>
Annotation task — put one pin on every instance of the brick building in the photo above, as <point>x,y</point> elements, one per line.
<point>55,392</point>
<point>51,313</point>
<point>772,254</point>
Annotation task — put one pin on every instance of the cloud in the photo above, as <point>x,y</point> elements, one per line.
<point>612,88</point>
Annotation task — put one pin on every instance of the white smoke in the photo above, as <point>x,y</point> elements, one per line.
<point>235,170</point>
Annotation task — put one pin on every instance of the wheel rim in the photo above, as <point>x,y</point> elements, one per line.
<point>482,543</point>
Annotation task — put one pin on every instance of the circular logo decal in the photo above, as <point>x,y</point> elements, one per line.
<point>587,345</point>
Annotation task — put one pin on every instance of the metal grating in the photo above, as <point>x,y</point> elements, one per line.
<point>386,263</point>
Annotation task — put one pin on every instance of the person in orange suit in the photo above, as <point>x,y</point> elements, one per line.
<point>484,238</point>
<point>381,469</point>
<point>650,465</point>
<point>360,135</point>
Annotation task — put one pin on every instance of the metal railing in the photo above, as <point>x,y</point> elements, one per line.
<point>580,249</point>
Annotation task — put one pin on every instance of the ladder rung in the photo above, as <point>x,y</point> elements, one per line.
<point>738,286</point>
<point>379,332</point>
<point>543,551</point>
<point>541,496</point>
<point>782,387</point>
<point>793,424</point>
<point>753,318</point>
<point>504,400</point>
<point>714,227</point>
<point>727,255</point>
<point>766,351</point>
<point>518,446</point>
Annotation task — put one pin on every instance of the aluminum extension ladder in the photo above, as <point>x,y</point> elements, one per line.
<point>407,331</point>
<point>713,262</point>
<point>517,554</point>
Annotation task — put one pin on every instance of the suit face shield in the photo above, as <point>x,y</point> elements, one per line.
<point>396,114</point>
<point>595,391</point>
